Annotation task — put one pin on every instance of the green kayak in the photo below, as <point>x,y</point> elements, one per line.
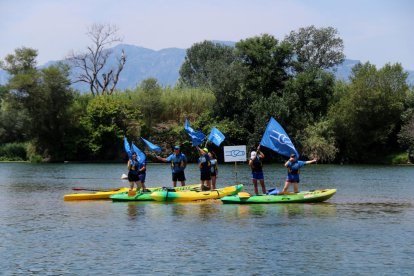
<point>301,197</point>
<point>146,195</point>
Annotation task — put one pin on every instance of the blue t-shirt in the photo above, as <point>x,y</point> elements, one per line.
<point>295,166</point>
<point>177,162</point>
<point>293,170</point>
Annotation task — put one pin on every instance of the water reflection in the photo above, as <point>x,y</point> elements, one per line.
<point>292,210</point>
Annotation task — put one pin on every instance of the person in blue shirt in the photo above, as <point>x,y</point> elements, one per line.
<point>178,164</point>
<point>205,166</point>
<point>256,164</point>
<point>293,165</point>
<point>136,172</point>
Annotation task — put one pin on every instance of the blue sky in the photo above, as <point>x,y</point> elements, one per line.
<point>378,31</point>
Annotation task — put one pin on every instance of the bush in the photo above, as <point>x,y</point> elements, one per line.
<point>13,152</point>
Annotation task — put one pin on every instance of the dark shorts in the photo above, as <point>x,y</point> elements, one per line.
<point>257,175</point>
<point>136,177</point>
<point>213,174</point>
<point>205,176</point>
<point>291,178</point>
<point>132,177</point>
<point>178,176</point>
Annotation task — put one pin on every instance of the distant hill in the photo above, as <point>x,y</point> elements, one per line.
<point>164,65</point>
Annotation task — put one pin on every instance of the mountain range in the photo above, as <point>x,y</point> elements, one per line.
<point>164,65</point>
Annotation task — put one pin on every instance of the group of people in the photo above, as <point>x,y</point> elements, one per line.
<point>293,165</point>
<point>207,163</point>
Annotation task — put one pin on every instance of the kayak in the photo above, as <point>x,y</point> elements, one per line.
<point>94,195</point>
<point>191,195</point>
<point>107,194</point>
<point>301,197</point>
<point>146,195</point>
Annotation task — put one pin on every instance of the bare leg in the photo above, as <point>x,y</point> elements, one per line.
<point>174,184</point>
<point>256,191</point>
<point>263,186</point>
<point>213,182</point>
<point>296,187</point>
<point>182,183</point>
<point>208,182</point>
<point>286,187</point>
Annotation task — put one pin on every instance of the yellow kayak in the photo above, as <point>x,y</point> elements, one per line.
<point>107,194</point>
<point>95,195</point>
<point>189,195</point>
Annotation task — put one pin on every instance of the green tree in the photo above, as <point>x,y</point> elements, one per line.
<point>318,141</point>
<point>150,102</point>
<point>45,96</point>
<point>368,113</point>
<point>267,62</point>
<point>204,63</point>
<point>107,121</point>
<point>406,134</point>
<point>316,48</point>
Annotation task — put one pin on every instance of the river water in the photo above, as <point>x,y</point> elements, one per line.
<point>367,228</point>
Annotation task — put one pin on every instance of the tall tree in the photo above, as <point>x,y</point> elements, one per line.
<point>92,66</point>
<point>204,63</point>
<point>150,103</point>
<point>45,96</point>
<point>267,64</point>
<point>367,115</point>
<point>316,48</point>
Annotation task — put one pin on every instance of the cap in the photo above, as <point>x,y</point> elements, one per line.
<point>253,155</point>
<point>293,155</point>
<point>205,150</point>
<point>176,147</point>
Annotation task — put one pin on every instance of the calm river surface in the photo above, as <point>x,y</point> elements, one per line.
<point>367,228</point>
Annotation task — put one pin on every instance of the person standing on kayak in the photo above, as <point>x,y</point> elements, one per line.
<point>213,169</point>
<point>136,172</point>
<point>178,164</point>
<point>205,166</point>
<point>255,163</point>
<point>293,165</point>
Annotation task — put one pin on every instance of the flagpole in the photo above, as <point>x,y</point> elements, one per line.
<point>235,171</point>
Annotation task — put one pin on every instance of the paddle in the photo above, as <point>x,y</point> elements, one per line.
<point>95,190</point>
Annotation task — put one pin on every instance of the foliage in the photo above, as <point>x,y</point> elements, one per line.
<point>366,116</point>
<point>13,152</point>
<point>180,103</point>
<point>204,63</point>
<point>44,98</point>
<point>319,141</point>
<point>316,48</point>
<point>267,62</point>
<point>106,121</point>
<point>150,104</point>
<point>236,89</point>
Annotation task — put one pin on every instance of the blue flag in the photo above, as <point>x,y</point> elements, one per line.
<point>216,137</point>
<point>276,139</point>
<point>151,146</point>
<point>197,137</point>
<point>141,157</point>
<point>127,147</point>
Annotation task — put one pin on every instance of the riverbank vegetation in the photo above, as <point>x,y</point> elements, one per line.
<point>368,119</point>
